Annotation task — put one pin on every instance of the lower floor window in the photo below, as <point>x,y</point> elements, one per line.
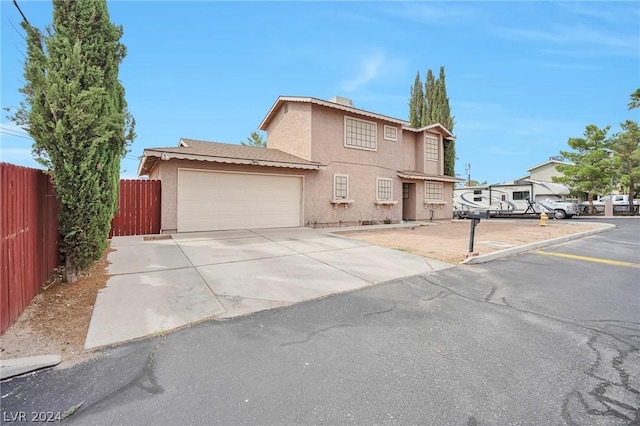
<point>340,187</point>
<point>433,191</point>
<point>384,189</point>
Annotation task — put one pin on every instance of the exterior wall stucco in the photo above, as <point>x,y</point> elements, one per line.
<point>409,150</point>
<point>362,166</point>
<point>545,173</point>
<point>290,130</point>
<point>168,170</point>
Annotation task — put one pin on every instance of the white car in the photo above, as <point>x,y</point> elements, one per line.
<point>619,203</point>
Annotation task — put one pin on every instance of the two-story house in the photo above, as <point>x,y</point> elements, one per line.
<point>326,164</point>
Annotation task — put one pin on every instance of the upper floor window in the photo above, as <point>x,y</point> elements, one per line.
<point>340,187</point>
<point>360,133</point>
<point>384,190</point>
<point>433,191</point>
<point>431,146</point>
<point>391,133</point>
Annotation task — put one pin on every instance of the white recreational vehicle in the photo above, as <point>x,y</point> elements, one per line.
<point>530,197</point>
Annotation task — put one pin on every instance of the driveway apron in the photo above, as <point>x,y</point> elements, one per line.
<point>160,283</point>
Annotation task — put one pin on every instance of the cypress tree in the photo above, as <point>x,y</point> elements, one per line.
<point>416,101</point>
<point>445,118</point>
<point>436,109</point>
<point>429,100</point>
<point>75,110</point>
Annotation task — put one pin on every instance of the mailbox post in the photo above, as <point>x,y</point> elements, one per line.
<point>475,217</point>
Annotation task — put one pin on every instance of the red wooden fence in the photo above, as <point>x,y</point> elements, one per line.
<point>139,208</point>
<point>29,232</point>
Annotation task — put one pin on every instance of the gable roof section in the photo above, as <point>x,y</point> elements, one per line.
<point>405,124</point>
<point>215,152</point>
<point>548,162</point>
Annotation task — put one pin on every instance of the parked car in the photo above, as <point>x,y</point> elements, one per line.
<point>620,203</point>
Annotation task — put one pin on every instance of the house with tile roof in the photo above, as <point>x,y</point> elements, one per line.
<point>326,163</point>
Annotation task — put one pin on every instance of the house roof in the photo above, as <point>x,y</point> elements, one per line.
<point>191,149</point>
<point>548,162</point>
<point>405,124</point>
<point>412,174</point>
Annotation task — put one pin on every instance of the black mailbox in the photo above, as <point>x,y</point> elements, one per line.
<point>477,214</point>
<point>480,214</point>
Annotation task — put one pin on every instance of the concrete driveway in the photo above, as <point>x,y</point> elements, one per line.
<point>159,283</point>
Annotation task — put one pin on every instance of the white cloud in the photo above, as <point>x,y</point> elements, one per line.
<point>367,71</point>
<point>498,150</point>
<point>578,37</point>
<point>558,65</point>
<point>438,13</point>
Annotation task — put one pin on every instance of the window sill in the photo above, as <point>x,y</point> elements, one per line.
<point>436,204</point>
<point>337,203</point>
<point>379,203</point>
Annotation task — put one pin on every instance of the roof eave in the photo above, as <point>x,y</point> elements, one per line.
<point>231,160</point>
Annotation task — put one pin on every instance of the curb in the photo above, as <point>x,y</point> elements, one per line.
<point>533,246</point>
<point>18,366</point>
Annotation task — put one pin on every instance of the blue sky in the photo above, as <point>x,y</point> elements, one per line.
<point>522,77</point>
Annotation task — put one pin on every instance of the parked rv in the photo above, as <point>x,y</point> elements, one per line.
<point>511,199</point>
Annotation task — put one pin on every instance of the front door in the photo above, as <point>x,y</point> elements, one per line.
<point>408,201</point>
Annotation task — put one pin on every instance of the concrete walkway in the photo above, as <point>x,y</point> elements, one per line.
<point>162,283</point>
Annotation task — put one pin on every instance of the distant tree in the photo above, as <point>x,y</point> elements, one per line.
<point>255,140</point>
<point>592,166</point>
<point>436,109</point>
<point>476,183</point>
<point>626,146</point>
<point>447,121</point>
<point>635,100</point>
<point>416,101</point>
<point>76,113</point>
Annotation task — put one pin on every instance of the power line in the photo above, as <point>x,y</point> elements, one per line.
<point>4,132</point>
<point>15,3</point>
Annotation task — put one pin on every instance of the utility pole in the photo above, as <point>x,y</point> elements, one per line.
<point>467,170</point>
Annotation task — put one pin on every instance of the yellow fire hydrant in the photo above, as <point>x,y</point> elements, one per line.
<point>543,219</point>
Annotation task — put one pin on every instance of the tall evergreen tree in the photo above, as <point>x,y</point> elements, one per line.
<point>591,166</point>
<point>416,101</point>
<point>429,103</point>
<point>447,121</point>
<point>626,146</point>
<point>436,109</point>
<point>635,100</point>
<point>75,110</point>
<point>255,140</point>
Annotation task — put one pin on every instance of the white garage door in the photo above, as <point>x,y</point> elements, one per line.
<point>209,201</point>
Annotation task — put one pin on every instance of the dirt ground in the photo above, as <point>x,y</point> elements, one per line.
<point>449,241</point>
<point>57,320</point>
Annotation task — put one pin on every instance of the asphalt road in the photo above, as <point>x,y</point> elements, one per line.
<point>534,339</point>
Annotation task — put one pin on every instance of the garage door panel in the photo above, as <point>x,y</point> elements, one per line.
<point>217,201</point>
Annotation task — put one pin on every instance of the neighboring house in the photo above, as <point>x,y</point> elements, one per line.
<point>545,172</point>
<point>326,164</point>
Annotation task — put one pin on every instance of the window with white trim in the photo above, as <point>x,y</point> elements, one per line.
<point>391,133</point>
<point>384,189</point>
<point>433,191</point>
<point>360,133</point>
<point>340,187</point>
<point>431,146</point>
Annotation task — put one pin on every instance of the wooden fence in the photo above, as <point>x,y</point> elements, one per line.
<point>29,232</point>
<point>139,208</point>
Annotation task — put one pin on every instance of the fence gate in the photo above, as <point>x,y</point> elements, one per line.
<point>138,208</point>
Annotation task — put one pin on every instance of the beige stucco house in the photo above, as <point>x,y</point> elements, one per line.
<point>326,164</point>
